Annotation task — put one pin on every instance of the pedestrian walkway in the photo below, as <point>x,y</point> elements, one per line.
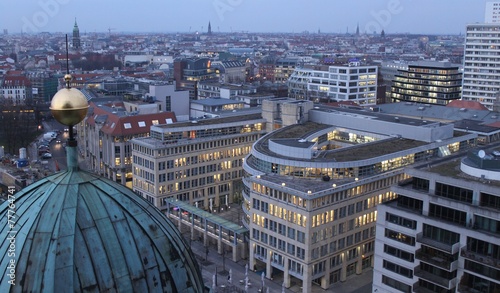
<point>220,266</point>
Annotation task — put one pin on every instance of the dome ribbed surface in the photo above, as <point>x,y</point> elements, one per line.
<point>78,232</point>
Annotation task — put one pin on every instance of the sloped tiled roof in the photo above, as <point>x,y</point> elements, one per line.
<point>473,105</point>
<point>116,124</point>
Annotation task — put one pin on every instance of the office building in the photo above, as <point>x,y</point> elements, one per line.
<point>441,233</point>
<point>311,186</point>
<point>481,73</point>
<point>199,161</point>
<point>278,70</point>
<point>427,82</point>
<point>335,83</point>
<point>44,85</point>
<point>189,71</point>
<point>231,71</point>
<point>225,91</point>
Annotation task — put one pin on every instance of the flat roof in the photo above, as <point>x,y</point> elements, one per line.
<point>212,121</point>
<point>373,149</point>
<point>215,102</point>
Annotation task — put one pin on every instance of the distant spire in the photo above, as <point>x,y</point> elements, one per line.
<point>209,28</point>
<point>76,36</point>
<point>357,30</point>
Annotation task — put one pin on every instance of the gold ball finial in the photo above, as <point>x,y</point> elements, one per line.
<point>69,106</point>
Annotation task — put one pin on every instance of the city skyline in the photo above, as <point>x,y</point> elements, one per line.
<point>392,16</point>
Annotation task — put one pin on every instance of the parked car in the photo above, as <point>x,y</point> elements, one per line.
<point>46,156</point>
<point>43,151</point>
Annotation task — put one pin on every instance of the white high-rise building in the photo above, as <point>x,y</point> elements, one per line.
<point>492,12</point>
<point>482,64</point>
<point>322,83</point>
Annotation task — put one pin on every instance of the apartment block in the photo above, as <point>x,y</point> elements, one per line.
<point>481,64</point>
<point>106,133</point>
<point>441,233</point>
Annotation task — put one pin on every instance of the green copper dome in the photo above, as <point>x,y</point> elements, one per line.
<point>78,232</point>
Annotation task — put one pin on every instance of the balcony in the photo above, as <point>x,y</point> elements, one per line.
<point>483,259</point>
<point>466,289</point>
<point>245,196</point>
<point>245,221</point>
<point>433,278</point>
<point>436,261</point>
<point>418,289</point>
<point>451,249</point>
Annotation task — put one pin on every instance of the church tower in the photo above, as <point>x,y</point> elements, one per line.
<point>209,28</point>
<point>76,36</point>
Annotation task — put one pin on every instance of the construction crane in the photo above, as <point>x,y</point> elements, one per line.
<point>110,29</point>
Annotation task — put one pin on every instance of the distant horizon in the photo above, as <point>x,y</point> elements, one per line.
<point>423,17</point>
<point>83,33</point>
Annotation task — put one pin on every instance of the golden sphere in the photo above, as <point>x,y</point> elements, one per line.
<point>69,106</point>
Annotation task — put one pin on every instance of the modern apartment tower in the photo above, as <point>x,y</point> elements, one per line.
<point>492,12</point>
<point>311,187</point>
<point>481,59</point>
<point>442,232</point>
<point>428,82</point>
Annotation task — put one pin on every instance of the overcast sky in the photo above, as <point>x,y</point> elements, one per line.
<point>338,16</point>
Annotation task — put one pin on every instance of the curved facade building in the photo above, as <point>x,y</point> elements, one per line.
<point>311,189</point>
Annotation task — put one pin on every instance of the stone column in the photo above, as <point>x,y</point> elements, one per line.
<point>306,279</point>
<point>219,241</point>
<point>205,234</point>
<point>286,275</point>
<point>179,223</point>
<point>235,248</point>
<point>343,271</point>
<point>192,228</point>
<point>268,263</point>
<point>251,259</point>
